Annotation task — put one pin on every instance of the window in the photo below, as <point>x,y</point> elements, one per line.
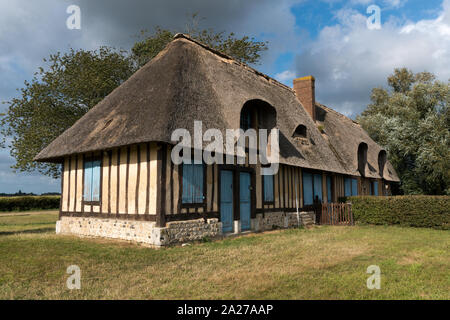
<point>246,119</point>
<point>362,158</point>
<point>257,114</point>
<point>268,188</point>
<point>192,184</point>
<point>91,192</point>
<point>382,158</point>
<point>350,187</point>
<point>312,188</point>
<point>300,132</point>
<point>375,188</point>
<point>354,187</point>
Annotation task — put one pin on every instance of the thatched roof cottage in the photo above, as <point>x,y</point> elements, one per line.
<point>118,179</point>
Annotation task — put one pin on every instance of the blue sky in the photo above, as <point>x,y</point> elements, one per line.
<point>328,39</point>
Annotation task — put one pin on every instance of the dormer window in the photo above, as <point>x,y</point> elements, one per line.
<point>362,158</point>
<point>246,119</point>
<point>258,114</point>
<point>300,132</point>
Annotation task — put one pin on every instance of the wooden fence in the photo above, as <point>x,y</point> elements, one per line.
<point>336,214</point>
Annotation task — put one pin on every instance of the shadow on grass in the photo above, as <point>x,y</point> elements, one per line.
<point>31,231</point>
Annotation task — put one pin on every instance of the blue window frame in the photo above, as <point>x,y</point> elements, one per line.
<point>268,188</point>
<point>193,184</point>
<point>312,188</point>
<point>91,188</point>
<point>350,187</point>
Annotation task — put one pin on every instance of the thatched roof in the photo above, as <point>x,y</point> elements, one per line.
<point>188,81</point>
<point>345,136</point>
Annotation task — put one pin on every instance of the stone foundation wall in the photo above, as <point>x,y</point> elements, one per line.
<point>191,230</point>
<point>175,231</point>
<point>140,231</point>
<point>274,220</point>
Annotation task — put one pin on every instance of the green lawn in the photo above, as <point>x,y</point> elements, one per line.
<point>318,263</point>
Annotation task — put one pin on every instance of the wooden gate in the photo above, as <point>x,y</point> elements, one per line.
<point>336,214</point>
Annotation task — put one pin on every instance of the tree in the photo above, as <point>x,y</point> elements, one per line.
<point>57,96</point>
<point>244,49</point>
<point>72,83</point>
<point>411,121</point>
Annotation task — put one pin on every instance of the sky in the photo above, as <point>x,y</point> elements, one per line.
<point>329,39</point>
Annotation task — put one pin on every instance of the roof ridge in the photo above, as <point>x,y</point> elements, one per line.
<point>239,63</point>
<point>338,114</point>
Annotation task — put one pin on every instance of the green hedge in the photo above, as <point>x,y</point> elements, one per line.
<point>29,203</point>
<point>411,211</point>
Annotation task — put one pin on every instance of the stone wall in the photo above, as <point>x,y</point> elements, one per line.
<point>191,230</point>
<point>140,231</point>
<point>279,220</point>
<point>175,231</point>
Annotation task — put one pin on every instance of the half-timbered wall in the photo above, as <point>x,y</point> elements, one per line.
<point>128,182</point>
<point>142,180</point>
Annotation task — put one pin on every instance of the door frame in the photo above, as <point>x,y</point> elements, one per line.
<point>236,189</point>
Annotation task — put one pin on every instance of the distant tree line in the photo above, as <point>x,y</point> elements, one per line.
<point>21,194</point>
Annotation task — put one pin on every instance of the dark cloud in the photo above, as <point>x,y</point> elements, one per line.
<point>31,30</point>
<point>347,59</point>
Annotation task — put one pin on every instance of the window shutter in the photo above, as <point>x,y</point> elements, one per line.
<point>307,189</point>
<point>87,192</point>
<point>187,183</point>
<point>375,188</point>
<point>198,183</point>
<point>96,167</point>
<point>329,195</point>
<point>348,187</point>
<point>318,186</point>
<point>192,183</point>
<point>354,187</point>
<point>268,188</point>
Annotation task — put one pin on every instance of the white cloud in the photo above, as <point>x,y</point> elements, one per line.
<point>385,3</point>
<point>286,77</point>
<point>348,60</point>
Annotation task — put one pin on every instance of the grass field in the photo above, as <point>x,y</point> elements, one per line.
<point>319,263</point>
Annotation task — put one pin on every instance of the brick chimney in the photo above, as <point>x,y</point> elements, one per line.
<point>305,90</point>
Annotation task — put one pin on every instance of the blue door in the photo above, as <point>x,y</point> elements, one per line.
<point>226,200</point>
<point>245,200</point>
